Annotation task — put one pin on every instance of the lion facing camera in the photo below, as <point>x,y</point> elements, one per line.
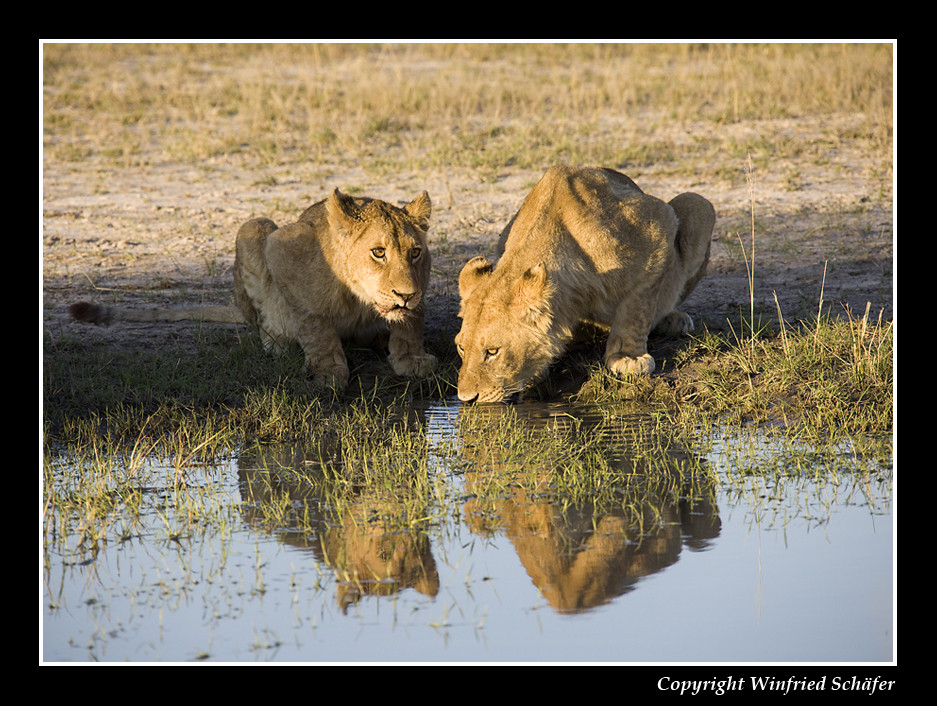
<point>349,268</point>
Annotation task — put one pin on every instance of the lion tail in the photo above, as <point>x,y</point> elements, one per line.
<point>91,313</point>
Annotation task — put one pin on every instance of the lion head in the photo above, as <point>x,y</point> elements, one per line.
<point>384,250</point>
<point>506,339</point>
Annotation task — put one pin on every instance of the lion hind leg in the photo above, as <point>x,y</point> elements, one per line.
<point>692,241</point>
<point>697,218</point>
<point>675,323</point>
<point>251,276</point>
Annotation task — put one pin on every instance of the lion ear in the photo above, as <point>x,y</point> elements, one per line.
<point>530,287</point>
<point>472,274</point>
<point>342,211</point>
<point>531,292</point>
<point>420,210</point>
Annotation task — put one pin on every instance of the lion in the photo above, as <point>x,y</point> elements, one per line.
<point>586,246</point>
<point>349,268</point>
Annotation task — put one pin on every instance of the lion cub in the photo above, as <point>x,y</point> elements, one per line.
<point>587,245</point>
<point>349,268</point>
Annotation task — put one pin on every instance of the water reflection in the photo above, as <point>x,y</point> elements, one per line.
<point>456,536</point>
<point>354,531</point>
<point>589,505</point>
<point>588,540</point>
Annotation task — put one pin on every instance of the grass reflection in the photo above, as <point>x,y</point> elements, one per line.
<point>590,503</point>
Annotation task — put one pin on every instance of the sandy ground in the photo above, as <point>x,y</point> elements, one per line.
<point>163,234</point>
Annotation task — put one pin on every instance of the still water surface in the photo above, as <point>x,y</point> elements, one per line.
<point>768,568</point>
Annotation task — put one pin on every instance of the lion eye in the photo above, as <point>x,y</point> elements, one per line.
<point>415,254</point>
<point>378,253</point>
<point>460,350</point>
<point>491,353</point>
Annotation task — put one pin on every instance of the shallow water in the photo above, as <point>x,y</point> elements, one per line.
<point>788,565</point>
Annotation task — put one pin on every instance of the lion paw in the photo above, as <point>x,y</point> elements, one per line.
<point>328,377</point>
<point>414,365</point>
<point>623,365</point>
<point>324,383</point>
<point>676,323</point>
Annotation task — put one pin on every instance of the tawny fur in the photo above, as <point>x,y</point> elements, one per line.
<point>349,268</point>
<point>587,245</point>
<point>91,313</point>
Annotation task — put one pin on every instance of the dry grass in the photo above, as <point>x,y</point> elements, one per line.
<point>469,105</point>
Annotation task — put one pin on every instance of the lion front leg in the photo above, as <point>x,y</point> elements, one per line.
<point>626,350</point>
<point>405,350</point>
<point>325,357</point>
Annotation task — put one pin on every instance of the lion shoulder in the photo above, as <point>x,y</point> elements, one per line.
<point>587,221</point>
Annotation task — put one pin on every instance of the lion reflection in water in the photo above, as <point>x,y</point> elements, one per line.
<point>584,554</point>
<point>368,555</point>
<point>580,555</point>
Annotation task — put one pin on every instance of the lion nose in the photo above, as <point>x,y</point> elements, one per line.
<point>405,297</point>
<point>466,394</point>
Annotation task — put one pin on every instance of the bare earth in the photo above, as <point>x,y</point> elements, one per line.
<point>163,234</point>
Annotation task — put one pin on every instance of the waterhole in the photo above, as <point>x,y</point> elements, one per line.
<point>504,534</point>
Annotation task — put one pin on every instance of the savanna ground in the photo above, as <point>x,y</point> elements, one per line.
<point>153,156</point>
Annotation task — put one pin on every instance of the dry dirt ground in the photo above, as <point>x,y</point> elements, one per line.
<point>162,234</point>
